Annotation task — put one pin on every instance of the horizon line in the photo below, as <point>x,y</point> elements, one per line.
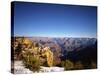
<point>54,36</point>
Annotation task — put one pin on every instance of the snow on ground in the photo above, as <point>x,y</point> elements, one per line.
<point>19,68</point>
<point>51,69</point>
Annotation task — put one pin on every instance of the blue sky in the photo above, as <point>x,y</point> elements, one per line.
<point>50,20</point>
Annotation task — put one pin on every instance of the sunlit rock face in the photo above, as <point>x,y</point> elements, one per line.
<point>49,56</point>
<point>27,41</point>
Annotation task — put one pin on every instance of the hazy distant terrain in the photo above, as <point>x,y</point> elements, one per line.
<point>68,44</point>
<point>69,47</point>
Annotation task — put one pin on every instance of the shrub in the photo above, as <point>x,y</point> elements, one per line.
<point>31,61</point>
<point>78,65</point>
<point>67,64</point>
<point>93,65</point>
<point>62,63</point>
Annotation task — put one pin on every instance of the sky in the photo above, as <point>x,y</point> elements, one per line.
<point>54,20</point>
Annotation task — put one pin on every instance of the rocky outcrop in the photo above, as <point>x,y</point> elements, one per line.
<point>29,51</point>
<point>49,56</point>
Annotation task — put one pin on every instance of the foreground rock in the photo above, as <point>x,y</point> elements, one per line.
<point>19,68</point>
<point>51,69</point>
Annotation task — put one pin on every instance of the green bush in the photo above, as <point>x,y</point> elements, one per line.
<point>68,65</point>
<point>31,61</point>
<point>78,65</point>
<point>93,65</point>
<point>62,63</point>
